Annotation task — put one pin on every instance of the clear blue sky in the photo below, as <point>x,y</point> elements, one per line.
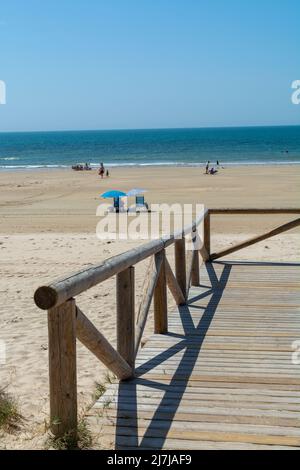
<point>102,64</point>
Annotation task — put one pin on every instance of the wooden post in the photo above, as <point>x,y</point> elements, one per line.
<point>195,278</point>
<point>160,299</point>
<point>207,234</point>
<point>62,369</point>
<point>180,267</point>
<point>125,315</point>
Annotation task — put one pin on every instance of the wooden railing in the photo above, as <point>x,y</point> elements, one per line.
<point>66,321</point>
<point>258,238</point>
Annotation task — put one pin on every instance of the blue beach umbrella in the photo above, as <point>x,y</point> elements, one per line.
<point>113,193</point>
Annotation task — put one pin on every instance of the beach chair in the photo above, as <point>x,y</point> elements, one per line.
<point>140,204</point>
<point>117,204</point>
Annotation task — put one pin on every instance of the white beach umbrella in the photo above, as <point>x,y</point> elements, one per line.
<point>136,192</point>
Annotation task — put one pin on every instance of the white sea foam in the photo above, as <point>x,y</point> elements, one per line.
<point>153,164</point>
<point>9,158</point>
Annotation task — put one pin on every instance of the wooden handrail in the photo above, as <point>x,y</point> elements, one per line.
<point>244,210</point>
<point>66,321</point>
<point>58,292</point>
<point>258,238</point>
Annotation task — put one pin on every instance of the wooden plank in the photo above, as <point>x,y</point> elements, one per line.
<point>170,406</point>
<point>199,389</point>
<point>211,414</point>
<point>165,382</point>
<point>125,443</point>
<point>192,398</point>
<point>246,378</point>
<point>62,369</point>
<point>187,426</point>
<point>241,437</point>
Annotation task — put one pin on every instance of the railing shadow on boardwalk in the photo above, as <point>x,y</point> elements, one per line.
<point>180,377</point>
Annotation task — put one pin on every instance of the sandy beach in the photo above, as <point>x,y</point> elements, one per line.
<point>47,229</point>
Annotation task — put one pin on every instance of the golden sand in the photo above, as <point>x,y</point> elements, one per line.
<point>48,222</point>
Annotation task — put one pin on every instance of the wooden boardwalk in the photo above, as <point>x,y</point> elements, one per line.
<point>223,377</point>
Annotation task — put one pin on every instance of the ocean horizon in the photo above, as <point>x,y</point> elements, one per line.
<point>261,145</point>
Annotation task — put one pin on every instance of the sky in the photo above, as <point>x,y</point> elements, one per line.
<point>119,64</point>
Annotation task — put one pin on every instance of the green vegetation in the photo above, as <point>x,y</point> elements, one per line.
<point>99,390</point>
<point>71,441</point>
<point>10,418</point>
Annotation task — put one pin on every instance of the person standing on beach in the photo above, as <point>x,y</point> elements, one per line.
<point>207,168</point>
<point>101,170</point>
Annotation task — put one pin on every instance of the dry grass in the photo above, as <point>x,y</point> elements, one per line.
<point>10,418</point>
<point>82,440</point>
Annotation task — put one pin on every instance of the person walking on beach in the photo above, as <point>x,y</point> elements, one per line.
<point>101,170</point>
<point>207,168</point>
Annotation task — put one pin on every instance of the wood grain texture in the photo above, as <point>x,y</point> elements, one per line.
<point>62,368</point>
<point>126,315</point>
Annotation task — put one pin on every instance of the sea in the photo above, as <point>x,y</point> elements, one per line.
<point>150,147</point>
